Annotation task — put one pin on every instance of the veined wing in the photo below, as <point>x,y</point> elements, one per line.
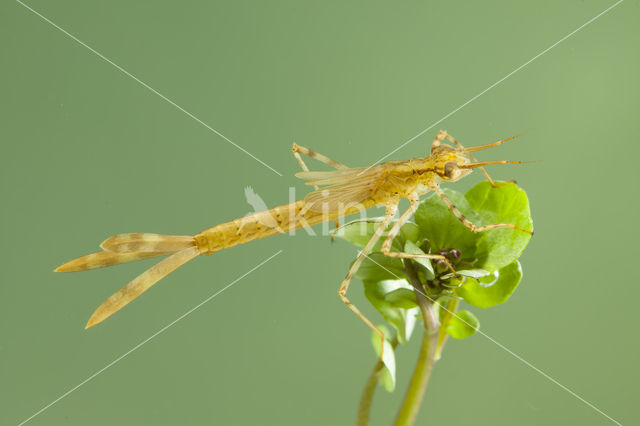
<point>343,189</point>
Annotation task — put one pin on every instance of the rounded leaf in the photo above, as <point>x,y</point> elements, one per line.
<point>507,204</point>
<point>402,298</point>
<point>378,267</point>
<point>462,325</point>
<point>442,228</point>
<point>484,296</point>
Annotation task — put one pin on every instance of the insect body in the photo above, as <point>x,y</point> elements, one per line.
<point>338,193</point>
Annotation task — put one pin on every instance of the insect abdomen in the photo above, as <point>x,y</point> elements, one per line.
<point>255,226</point>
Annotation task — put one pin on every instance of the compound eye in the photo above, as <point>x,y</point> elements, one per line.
<point>450,169</point>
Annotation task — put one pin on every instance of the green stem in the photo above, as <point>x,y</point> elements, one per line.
<point>427,358</point>
<point>366,399</point>
<point>420,379</point>
<point>449,312</point>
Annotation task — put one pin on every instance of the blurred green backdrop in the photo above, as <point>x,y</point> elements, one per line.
<point>88,152</point>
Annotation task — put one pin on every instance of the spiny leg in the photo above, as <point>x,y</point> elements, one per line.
<point>443,134</point>
<point>414,199</point>
<point>470,225</point>
<point>298,149</point>
<point>342,291</point>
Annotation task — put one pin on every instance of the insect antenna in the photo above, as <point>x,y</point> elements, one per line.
<point>486,163</point>
<point>500,142</point>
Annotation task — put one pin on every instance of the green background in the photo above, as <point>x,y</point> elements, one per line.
<point>88,152</point>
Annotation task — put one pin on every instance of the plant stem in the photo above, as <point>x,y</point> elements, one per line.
<point>449,312</point>
<point>420,379</point>
<point>367,395</point>
<point>364,408</point>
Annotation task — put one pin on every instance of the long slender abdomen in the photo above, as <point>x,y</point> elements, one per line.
<point>124,248</point>
<point>263,224</point>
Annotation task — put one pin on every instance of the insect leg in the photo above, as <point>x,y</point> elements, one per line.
<point>342,291</point>
<point>470,225</point>
<point>386,245</point>
<point>482,169</point>
<point>297,150</point>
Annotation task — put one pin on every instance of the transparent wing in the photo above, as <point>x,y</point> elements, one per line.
<point>330,177</point>
<point>343,188</point>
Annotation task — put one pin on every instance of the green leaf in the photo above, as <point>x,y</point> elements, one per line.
<point>462,325</point>
<point>437,228</point>
<point>387,380</point>
<point>402,298</point>
<point>482,205</point>
<point>388,376</point>
<point>487,295</point>
<point>411,248</point>
<point>378,267</point>
<point>507,204</point>
<point>471,273</point>
<point>410,232</point>
<point>359,232</point>
<point>442,228</point>
<point>401,319</point>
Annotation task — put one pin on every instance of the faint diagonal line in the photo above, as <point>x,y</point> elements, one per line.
<point>509,351</point>
<point>136,347</point>
<point>127,73</point>
<point>432,125</point>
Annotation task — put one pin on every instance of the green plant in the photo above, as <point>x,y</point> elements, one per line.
<point>405,291</point>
